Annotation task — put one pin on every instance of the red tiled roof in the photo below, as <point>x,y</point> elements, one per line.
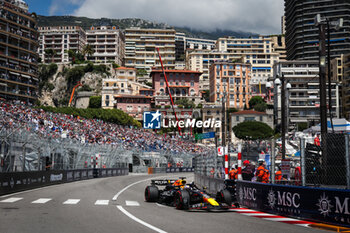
<point>248,112</point>
<point>176,71</point>
<point>125,68</point>
<point>132,96</point>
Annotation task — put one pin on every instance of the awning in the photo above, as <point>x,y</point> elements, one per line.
<point>26,76</point>
<point>13,73</point>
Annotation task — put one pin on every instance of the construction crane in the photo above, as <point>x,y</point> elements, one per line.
<point>71,96</point>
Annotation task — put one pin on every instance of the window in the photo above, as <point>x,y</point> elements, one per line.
<point>237,118</point>
<point>261,118</point>
<point>192,84</point>
<point>107,97</point>
<point>122,85</point>
<point>161,83</point>
<point>107,84</point>
<point>115,84</point>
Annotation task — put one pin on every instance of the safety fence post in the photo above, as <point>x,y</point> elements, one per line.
<point>347,157</point>
<point>273,158</point>
<point>239,162</point>
<point>303,164</point>
<point>226,162</point>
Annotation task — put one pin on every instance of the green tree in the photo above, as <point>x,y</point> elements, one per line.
<point>88,51</point>
<point>185,102</point>
<point>95,102</point>
<point>252,130</point>
<point>141,72</point>
<point>206,95</point>
<point>255,100</point>
<point>72,55</point>
<point>51,53</point>
<point>260,107</point>
<point>148,83</point>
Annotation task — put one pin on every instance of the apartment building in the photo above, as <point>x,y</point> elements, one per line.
<point>141,44</point>
<point>200,60</point>
<point>18,52</point>
<point>337,75</point>
<point>60,39</point>
<point>182,84</point>
<point>258,51</point>
<point>346,86</point>
<point>212,111</point>
<point>123,85</point>
<point>230,81</point>
<point>302,36</point>
<point>279,46</point>
<point>183,43</point>
<point>108,44</point>
<point>303,99</point>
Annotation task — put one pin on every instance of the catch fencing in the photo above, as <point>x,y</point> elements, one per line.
<point>307,162</point>
<point>23,150</point>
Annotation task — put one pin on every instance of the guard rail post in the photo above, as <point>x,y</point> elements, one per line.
<point>347,157</point>
<point>303,164</point>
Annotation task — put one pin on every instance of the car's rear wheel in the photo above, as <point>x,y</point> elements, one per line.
<point>224,196</point>
<point>182,200</point>
<point>151,194</point>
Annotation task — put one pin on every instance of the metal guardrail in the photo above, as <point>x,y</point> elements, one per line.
<point>11,182</point>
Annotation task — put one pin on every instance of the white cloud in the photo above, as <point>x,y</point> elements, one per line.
<point>258,16</point>
<point>63,6</point>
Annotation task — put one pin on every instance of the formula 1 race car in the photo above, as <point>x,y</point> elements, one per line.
<point>187,196</point>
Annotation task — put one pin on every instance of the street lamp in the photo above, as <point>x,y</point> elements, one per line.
<point>268,87</point>
<point>283,111</point>
<point>322,22</point>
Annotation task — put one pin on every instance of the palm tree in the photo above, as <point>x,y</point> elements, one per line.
<point>88,50</point>
<point>72,54</point>
<point>51,53</point>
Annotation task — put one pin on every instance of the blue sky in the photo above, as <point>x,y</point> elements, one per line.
<point>53,7</point>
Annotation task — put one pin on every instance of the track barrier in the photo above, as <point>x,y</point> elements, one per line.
<point>324,205</point>
<point>11,182</point>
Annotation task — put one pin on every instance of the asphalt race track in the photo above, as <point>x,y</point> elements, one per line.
<point>116,204</point>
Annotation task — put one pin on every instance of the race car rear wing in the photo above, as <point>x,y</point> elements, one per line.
<point>162,182</point>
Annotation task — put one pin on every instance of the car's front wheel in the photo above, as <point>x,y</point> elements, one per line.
<point>224,196</point>
<point>182,200</point>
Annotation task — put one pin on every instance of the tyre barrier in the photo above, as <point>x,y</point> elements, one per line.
<point>11,182</point>
<point>315,204</point>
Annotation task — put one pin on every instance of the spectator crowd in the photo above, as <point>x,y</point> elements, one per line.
<point>55,125</point>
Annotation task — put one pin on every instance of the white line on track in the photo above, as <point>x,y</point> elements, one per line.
<point>71,202</point>
<point>281,219</point>
<point>132,203</point>
<point>41,201</point>
<point>243,210</point>
<point>11,200</point>
<point>257,214</point>
<point>132,216</point>
<point>102,202</point>
<point>120,192</point>
<point>139,220</point>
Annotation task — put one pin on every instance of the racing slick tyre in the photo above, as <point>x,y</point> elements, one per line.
<point>182,200</point>
<point>224,196</point>
<point>151,194</point>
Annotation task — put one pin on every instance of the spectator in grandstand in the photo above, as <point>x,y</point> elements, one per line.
<point>55,125</point>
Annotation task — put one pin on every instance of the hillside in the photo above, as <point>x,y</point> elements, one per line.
<point>86,23</point>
